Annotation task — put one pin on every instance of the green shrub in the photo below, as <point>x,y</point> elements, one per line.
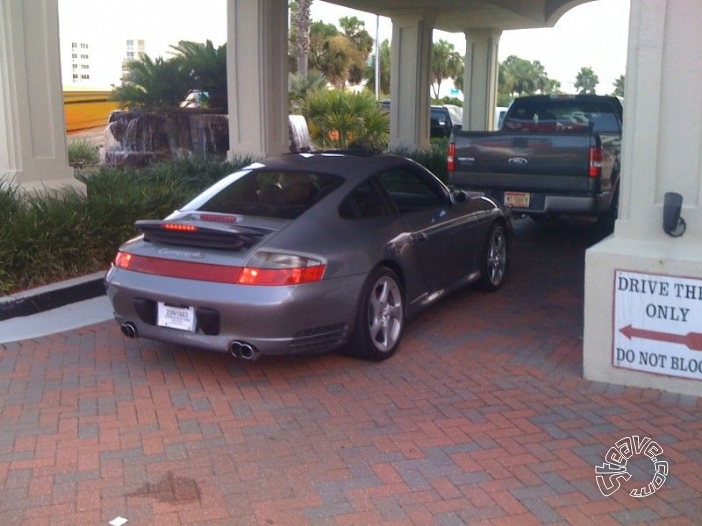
<point>46,237</point>
<point>82,150</point>
<point>433,159</point>
<point>345,120</point>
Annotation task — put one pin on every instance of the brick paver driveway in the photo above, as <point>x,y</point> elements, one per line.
<point>481,417</point>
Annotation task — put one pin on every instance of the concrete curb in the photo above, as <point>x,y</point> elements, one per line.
<point>52,296</point>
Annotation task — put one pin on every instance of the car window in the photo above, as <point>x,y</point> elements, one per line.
<point>365,201</point>
<point>272,193</point>
<point>409,191</point>
<point>562,115</point>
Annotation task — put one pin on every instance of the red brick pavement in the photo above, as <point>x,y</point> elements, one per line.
<point>481,418</point>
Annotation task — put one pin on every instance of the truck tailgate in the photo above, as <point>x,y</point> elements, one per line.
<point>558,154</point>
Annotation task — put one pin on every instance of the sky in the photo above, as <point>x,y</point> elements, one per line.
<point>591,35</point>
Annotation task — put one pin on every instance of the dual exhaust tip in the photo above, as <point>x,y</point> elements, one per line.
<point>238,349</point>
<point>244,350</point>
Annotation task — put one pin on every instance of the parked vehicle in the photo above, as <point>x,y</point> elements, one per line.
<point>443,119</point>
<point>554,155</point>
<point>306,253</point>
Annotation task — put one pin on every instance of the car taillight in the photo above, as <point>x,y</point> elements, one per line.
<point>178,227</point>
<point>451,157</point>
<point>265,268</point>
<point>596,158</point>
<point>174,268</point>
<point>273,268</point>
<point>122,260</point>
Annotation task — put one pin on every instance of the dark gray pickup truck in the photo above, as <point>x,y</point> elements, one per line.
<point>554,155</point>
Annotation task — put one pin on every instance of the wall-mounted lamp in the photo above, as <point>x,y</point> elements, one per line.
<point>673,224</point>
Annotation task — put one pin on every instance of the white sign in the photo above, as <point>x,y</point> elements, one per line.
<point>182,318</point>
<point>658,324</point>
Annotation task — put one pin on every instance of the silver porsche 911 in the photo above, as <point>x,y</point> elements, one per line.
<point>306,253</point>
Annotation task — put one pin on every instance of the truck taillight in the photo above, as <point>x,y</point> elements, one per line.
<point>451,157</point>
<point>596,158</point>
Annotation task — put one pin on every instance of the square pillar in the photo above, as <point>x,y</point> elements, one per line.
<point>643,287</point>
<point>480,79</point>
<point>33,151</point>
<point>257,77</point>
<point>410,79</point>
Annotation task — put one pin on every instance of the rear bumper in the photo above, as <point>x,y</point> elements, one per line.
<point>276,320</point>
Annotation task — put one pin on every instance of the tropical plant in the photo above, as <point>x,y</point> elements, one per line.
<point>153,84</point>
<point>445,63</point>
<point>300,86</point>
<point>344,120</point>
<point>586,81</point>
<point>518,76</point>
<point>207,69</point>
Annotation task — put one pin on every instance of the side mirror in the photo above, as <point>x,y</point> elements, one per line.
<point>459,196</point>
<point>673,224</point>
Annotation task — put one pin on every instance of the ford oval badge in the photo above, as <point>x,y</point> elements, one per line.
<point>519,161</point>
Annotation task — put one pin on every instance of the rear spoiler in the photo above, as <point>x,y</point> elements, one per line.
<point>187,233</point>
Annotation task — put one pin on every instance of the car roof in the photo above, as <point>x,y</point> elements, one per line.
<point>354,165</point>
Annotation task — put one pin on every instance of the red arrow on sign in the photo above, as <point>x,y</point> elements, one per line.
<point>693,340</point>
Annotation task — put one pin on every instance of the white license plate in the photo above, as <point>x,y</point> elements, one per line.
<point>182,318</point>
<point>517,199</point>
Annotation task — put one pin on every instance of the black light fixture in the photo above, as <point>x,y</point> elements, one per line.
<point>673,224</point>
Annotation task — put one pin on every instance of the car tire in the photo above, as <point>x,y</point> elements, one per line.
<point>381,317</point>
<point>493,259</point>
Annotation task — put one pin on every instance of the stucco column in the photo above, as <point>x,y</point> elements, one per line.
<point>257,77</point>
<point>410,78</point>
<point>643,288</point>
<point>480,79</point>
<point>32,126</point>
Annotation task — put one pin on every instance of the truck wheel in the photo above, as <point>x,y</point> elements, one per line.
<point>493,261</point>
<point>381,317</point>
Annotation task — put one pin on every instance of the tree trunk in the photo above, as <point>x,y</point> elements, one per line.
<point>303,35</point>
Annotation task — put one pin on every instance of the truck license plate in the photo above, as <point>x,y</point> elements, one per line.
<point>182,318</point>
<point>517,199</point>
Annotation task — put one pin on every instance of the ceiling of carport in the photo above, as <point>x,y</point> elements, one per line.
<point>459,15</point>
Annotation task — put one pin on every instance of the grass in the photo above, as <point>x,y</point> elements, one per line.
<point>83,151</point>
<point>48,237</point>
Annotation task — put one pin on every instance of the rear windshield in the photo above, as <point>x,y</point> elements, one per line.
<point>267,193</point>
<point>562,115</point>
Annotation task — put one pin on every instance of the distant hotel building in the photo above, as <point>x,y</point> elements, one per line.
<point>80,63</point>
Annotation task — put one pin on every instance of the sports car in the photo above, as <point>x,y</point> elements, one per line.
<point>307,253</point>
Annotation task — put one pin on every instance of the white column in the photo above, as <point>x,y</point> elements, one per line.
<point>410,78</point>
<point>257,77</point>
<point>480,79</point>
<point>32,126</point>
<point>661,153</point>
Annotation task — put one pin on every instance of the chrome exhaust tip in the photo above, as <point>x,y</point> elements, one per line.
<point>129,329</point>
<point>243,350</point>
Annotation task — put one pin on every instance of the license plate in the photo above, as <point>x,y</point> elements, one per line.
<point>517,199</point>
<point>182,318</point>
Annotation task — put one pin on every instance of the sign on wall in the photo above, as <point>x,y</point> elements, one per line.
<point>658,324</point>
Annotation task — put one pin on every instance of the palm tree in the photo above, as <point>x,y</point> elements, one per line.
<point>300,86</point>
<point>384,54</point>
<point>153,84</point>
<point>446,63</point>
<point>207,67</point>
<point>342,119</point>
<point>302,34</point>
<point>586,81</point>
